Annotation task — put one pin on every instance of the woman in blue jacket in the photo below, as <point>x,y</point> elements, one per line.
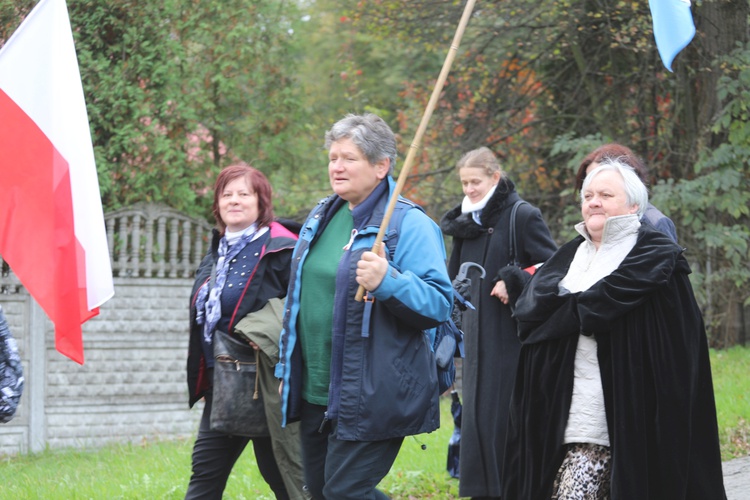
<point>360,376</point>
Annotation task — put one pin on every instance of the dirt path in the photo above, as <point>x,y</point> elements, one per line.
<point>737,478</point>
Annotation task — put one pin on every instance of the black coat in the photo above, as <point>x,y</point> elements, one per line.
<point>270,280</point>
<point>491,342</point>
<point>654,364</point>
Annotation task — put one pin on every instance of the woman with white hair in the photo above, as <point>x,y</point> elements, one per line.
<point>613,395</point>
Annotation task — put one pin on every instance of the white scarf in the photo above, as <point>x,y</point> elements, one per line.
<point>476,208</point>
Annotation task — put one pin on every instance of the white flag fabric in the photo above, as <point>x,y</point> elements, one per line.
<point>52,231</point>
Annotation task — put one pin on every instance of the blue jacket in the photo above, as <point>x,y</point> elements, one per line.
<point>388,376</point>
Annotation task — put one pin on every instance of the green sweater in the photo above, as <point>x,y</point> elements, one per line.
<point>318,288</point>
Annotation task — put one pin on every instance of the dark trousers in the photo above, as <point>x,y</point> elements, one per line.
<point>340,470</point>
<point>214,455</point>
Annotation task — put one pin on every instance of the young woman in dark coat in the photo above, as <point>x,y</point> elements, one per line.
<point>480,228</point>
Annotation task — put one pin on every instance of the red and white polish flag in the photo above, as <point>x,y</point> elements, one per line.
<point>52,231</point>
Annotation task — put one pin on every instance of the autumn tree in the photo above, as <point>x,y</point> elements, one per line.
<point>543,83</point>
<point>177,89</point>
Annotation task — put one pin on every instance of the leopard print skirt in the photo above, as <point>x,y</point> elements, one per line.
<point>584,473</point>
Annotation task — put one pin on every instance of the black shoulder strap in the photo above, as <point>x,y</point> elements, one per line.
<point>513,248</point>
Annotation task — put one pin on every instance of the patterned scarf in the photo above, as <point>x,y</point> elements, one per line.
<point>209,311</point>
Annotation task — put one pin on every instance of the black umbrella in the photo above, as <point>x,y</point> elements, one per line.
<point>454,444</point>
<point>461,297</point>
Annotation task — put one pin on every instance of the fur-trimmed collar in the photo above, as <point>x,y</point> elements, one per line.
<point>459,225</point>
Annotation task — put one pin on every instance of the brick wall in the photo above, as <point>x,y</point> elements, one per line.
<point>130,388</point>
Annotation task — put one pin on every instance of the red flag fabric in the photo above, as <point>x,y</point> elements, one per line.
<point>52,230</point>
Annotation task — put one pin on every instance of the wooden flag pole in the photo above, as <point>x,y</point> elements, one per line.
<point>417,142</point>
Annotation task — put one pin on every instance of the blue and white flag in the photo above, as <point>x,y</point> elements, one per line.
<point>673,27</point>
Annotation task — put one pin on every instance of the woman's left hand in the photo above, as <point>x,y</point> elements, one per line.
<point>371,269</point>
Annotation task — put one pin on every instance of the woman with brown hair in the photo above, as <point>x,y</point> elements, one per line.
<point>248,264</point>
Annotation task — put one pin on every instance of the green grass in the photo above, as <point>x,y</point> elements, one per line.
<point>731,374</point>
<point>160,470</point>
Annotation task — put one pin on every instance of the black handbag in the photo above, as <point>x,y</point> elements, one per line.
<point>237,406</point>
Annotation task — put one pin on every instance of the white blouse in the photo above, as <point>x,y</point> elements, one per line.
<point>587,422</point>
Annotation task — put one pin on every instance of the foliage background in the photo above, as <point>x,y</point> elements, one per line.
<point>178,89</point>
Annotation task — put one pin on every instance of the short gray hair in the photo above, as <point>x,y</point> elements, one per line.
<point>369,133</point>
<point>635,191</point>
